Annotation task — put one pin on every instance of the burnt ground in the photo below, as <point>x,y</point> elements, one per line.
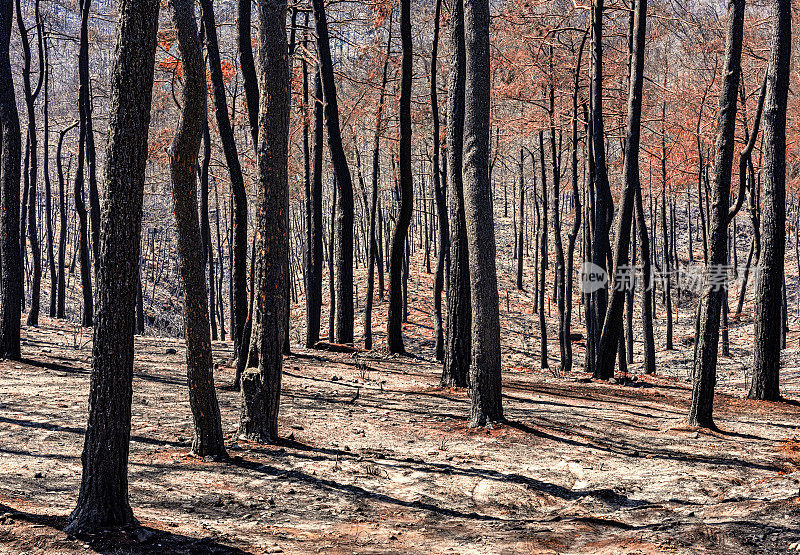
<point>378,459</point>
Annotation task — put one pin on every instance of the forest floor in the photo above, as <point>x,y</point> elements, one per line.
<point>377,458</point>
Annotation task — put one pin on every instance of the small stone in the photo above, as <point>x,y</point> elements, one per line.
<point>274,549</point>
<point>170,351</point>
<point>143,535</point>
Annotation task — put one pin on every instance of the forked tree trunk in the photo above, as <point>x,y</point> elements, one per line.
<point>707,338</point>
<point>238,193</point>
<point>103,496</point>
<point>261,385</point>
<point>613,320</point>
<point>342,244</point>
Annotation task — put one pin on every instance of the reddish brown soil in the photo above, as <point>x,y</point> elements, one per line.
<point>581,466</point>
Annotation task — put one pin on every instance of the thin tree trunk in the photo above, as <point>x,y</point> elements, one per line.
<point>343,242</point>
<point>400,235</point>
<point>239,309</point>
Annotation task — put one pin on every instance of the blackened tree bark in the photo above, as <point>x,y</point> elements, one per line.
<point>707,345</point>
<point>543,248</point>
<point>767,348</point>
<point>31,94</point>
<point>521,236</point>
<point>485,372</point>
<point>261,385</point>
<point>48,189</point>
<point>603,203</point>
<point>647,299</point>
<point>208,439</point>
<point>612,325</point>
<point>205,226</point>
<point>373,210</point>
<point>238,193</point>
<point>247,63</point>
<point>566,364</point>
<point>62,227</point>
<point>439,195</point>
<point>103,497</point>
<point>458,346</point>
<point>10,258</point>
<point>84,109</point>
<point>316,255</point>
<point>397,253</point>
<point>343,241</point>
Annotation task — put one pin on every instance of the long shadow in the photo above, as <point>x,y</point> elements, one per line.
<point>72,370</point>
<point>81,431</point>
<point>123,540</point>
<point>640,451</point>
<point>362,493</point>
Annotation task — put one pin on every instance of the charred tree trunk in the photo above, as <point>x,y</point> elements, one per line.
<point>342,244</point>
<point>238,193</point>
<point>439,194</point>
<point>373,211</point>
<point>261,385</point>
<point>707,342</point>
<point>10,259</point>
<point>62,231</point>
<point>458,350</point>
<point>103,496</point>
<point>521,231</point>
<point>208,438</point>
<point>767,349</point>
<point>613,320</point>
<point>485,370</point>
<point>397,253</point>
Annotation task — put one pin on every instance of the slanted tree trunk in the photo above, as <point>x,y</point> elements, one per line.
<point>208,438</point>
<point>62,232</point>
<point>767,348</point>
<point>238,193</point>
<point>261,385</point>
<point>458,350</point>
<point>707,342</point>
<point>612,325</point>
<point>485,371</point>
<point>373,210</point>
<point>398,251</point>
<point>342,243</point>
<point>10,258</point>
<point>103,496</point>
